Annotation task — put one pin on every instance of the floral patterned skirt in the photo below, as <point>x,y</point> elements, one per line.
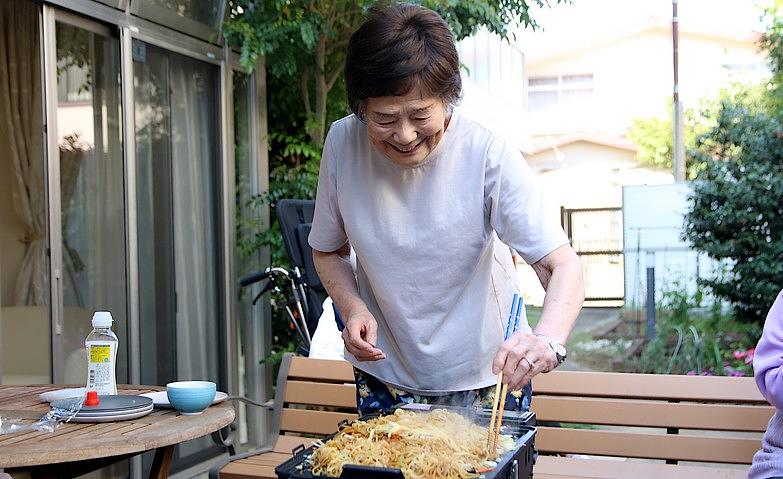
<point>374,396</point>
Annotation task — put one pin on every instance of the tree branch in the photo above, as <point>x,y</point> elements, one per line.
<point>303,80</point>
<point>332,77</point>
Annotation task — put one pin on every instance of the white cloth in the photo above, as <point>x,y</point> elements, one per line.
<point>327,340</point>
<point>431,265</point>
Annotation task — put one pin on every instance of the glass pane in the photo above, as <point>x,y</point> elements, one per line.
<point>178,160</point>
<point>25,333</point>
<point>577,95</point>
<point>583,79</point>
<point>204,12</point>
<point>246,258</point>
<point>92,192</point>
<point>538,100</point>
<point>542,81</point>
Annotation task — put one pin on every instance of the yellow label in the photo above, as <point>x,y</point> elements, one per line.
<point>100,354</point>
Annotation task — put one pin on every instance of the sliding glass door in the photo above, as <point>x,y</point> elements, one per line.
<point>91,191</point>
<point>25,354</point>
<point>179,239</point>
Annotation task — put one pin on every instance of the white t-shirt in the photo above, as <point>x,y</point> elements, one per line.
<point>430,260</point>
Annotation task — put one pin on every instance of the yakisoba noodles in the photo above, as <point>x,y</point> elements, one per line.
<point>437,444</point>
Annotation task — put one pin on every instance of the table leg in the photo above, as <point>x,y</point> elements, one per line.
<point>161,462</point>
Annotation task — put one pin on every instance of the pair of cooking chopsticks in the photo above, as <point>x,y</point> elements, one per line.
<point>499,401</point>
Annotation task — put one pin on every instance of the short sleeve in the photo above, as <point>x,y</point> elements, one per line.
<point>515,205</point>
<point>327,233</point>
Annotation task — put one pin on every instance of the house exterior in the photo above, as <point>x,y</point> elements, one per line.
<point>130,140</point>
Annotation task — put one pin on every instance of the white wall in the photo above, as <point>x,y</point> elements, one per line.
<point>653,218</point>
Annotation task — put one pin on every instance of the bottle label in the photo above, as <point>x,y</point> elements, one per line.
<point>100,354</point>
<point>100,368</point>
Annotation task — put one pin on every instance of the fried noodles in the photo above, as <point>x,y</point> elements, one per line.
<point>434,445</point>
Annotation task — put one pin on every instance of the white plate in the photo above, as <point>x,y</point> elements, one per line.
<point>161,400</point>
<point>50,396</point>
<point>114,413</point>
<point>115,417</point>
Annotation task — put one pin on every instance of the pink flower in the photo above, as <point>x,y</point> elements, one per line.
<point>740,354</point>
<point>691,373</point>
<point>749,355</point>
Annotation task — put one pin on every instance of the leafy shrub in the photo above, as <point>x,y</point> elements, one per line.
<point>735,212</point>
<point>691,339</point>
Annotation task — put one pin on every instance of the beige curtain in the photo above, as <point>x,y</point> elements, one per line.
<point>21,137</point>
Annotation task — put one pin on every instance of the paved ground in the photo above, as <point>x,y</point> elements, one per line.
<point>590,322</point>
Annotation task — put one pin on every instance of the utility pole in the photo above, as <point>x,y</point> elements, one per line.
<point>678,150</point>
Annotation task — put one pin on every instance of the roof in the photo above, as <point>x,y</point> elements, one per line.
<point>538,145</point>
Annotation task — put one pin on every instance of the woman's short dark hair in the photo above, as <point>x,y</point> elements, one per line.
<point>398,47</point>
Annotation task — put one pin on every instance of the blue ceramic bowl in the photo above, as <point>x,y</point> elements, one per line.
<point>191,397</point>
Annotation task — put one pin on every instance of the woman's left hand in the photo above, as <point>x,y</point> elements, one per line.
<point>521,357</point>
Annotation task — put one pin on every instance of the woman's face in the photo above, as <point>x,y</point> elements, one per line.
<point>406,128</point>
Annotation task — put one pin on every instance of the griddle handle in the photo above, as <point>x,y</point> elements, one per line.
<point>298,449</point>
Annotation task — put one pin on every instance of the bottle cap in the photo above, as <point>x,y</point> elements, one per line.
<point>92,399</point>
<point>102,319</point>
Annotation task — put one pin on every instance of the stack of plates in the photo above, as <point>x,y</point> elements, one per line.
<point>111,408</point>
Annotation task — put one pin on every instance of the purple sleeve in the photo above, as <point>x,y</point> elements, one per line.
<point>768,359</point>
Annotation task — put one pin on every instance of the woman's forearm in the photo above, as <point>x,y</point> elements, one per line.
<point>337,277</point>
<point>560,273</point>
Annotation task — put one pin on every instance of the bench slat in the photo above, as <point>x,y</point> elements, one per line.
<point>239,470</point>
<point>322,370</point>
<point>322,394</point>
<point>626,412</point>
<point>312,422</point>
<point>286,444</point>
<point>566,467</point>
<point>267,459</point>
<point>681,447</point>
<point>648,386</point>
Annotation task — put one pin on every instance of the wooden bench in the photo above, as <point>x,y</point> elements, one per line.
<point>667,418</point>
<point>717,420</point>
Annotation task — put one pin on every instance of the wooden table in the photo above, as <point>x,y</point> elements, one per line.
<point>75,449</point>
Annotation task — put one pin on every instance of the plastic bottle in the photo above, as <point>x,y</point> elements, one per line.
<point>101,346</point>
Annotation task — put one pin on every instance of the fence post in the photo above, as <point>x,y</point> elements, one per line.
<point>651,297</point>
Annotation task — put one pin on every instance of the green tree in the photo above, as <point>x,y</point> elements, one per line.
<point>305,40</point>
<point>735,213</point>
<point>654,139</point>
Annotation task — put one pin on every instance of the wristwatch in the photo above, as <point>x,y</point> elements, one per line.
<point>559,349</point>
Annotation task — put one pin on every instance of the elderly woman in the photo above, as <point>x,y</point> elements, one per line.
<point>430,203</point>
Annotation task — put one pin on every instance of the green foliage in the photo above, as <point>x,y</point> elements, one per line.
<point>654,139</point>
<point>772,43</point>
<point>692,339</point>
<point>735,211</point>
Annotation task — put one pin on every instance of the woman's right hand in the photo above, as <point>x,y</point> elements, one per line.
<point>360,336</point>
